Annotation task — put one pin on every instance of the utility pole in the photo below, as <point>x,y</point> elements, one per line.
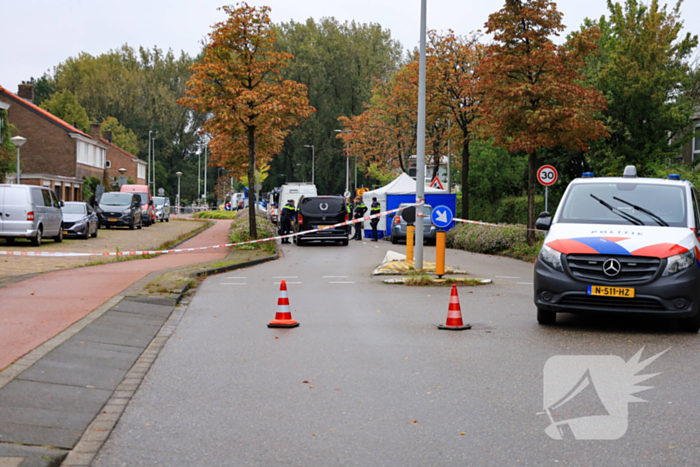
<point>206,149</point>
<point>148,167</point>
<point>199,178</point>
<point>449,157</point>
<point>420,156</point>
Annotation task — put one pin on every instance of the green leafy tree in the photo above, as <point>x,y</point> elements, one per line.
<point>44,87</point>
<point>64,105</point>
<point>121,136</point>
<point>644,73</point>
<point>340,63</point>
<point>7,149</point>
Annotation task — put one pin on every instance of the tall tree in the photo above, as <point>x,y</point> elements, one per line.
<point>340,63</point>
<point>121,136</point>
<point>643,70</point>
<point>240,85</point>
<point>65,106</point>
<point>533,96</point>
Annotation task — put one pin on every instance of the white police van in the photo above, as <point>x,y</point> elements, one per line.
<point>621,244</point>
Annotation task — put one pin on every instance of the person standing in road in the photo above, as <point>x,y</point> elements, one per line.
<point>286,217</point>
<point>376,208</point>
<point>360,210</point>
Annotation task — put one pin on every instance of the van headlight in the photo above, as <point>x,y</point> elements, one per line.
<point>552,257</point>
<point>677,263</point>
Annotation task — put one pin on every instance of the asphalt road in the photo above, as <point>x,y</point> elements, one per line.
<point>367,379</point>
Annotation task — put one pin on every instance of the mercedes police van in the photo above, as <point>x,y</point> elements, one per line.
<point>623,245</point>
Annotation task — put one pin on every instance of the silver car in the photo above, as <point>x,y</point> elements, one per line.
<point>399,227</point>
<point>162,208</point>
<point>31,212</point>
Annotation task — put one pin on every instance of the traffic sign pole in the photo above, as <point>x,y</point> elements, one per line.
<point>547,175</point>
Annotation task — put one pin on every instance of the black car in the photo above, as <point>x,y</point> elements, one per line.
<point>318,211</point>
<point>120,209</point>
<point>79,220</point>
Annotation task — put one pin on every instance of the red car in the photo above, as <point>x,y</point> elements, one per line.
<point>148,210</point>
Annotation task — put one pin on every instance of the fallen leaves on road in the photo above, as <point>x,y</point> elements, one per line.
<point>414,422</point>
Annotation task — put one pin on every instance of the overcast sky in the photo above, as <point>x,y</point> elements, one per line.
<point>40,34</point>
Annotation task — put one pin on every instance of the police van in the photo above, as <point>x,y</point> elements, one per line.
<point>622,245</point>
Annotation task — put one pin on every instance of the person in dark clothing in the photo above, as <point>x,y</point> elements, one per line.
<point>360,210</point>
<point>375,209</point>
<point>286,217</point>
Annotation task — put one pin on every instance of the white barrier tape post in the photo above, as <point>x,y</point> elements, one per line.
<point>57,254</point>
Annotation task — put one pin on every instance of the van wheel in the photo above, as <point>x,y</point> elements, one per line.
<point>394,240</point>
<point>59,238</point>
<point>36,241</point>
<point>690,324</point>
<point>546,316</point>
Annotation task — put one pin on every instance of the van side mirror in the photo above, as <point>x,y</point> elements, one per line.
<point>150,203</point>
<point>544,221</point>
<point>61,203</point>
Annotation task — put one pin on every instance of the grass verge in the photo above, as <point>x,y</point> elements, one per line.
<point>425,280</point>
<point>240,233</point>
<point>227,215</point>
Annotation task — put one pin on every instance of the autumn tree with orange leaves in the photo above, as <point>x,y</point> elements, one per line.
<point>532,90</point>
<point>239,84</point>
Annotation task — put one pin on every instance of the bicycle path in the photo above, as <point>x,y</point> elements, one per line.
<point>35,310</point>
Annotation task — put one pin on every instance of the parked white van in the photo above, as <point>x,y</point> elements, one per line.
<point>295,191</point>
<point>32,212</point>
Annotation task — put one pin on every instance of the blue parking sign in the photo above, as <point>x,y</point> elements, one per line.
<point>441,217</point>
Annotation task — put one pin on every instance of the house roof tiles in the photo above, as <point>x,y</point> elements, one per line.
<point>44,113</point>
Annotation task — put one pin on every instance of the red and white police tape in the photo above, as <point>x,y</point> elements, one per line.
<point>56,254</point>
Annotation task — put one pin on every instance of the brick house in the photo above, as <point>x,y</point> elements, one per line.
<point>117,158</point>
<point>56,154</point>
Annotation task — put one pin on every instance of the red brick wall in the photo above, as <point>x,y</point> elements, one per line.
<point>120,160</point>
<point>49,148</point>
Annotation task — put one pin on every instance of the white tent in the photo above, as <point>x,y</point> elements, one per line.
<point>402,185</point>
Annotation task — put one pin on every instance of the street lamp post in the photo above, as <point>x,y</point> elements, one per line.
<point>18,142</point>
<point>313,161</point>
<point>347,161</point>
<point>179,174</point>
<point>148,167</point>
<point>122,178</point>
<point>420,144</point>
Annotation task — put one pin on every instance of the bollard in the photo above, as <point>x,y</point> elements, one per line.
<point>440,254</point>
<point>409,242</point>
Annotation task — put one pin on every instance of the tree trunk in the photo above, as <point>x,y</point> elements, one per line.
<point>465,179</point>
<point>253,231</point>
<point>531,182</point>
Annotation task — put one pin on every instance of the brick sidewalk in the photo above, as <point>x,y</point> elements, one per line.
<point>108,240</point>
<point>37,309</point>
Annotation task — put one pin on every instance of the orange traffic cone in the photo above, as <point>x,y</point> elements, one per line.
<point>454,314</point>
<point>283,318</point>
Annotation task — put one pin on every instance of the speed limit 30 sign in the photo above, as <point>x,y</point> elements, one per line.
<point>547,175</point>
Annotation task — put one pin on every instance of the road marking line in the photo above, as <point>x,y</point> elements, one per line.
<point>334,277</point>
<point>285,277</point>
<point>278,283</point>
<point>508,277</point>
<point>341,282</point>
<point>524,283</point>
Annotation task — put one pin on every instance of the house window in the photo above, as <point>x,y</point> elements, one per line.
<point>141,171</point>
<point>696,142</point>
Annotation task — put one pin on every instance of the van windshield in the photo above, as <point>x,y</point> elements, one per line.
<point>158,201</point>
<point>625,204</point>
<point>116,199</point>
<point>141,197</point>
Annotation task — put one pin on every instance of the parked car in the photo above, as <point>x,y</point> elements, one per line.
<point>162,206</point>
<point>148,210</point>
<point>399,228</point>
<point>31,212</point>
<point>79,220</point>
<point>316,211</point>
<point>120,209</point>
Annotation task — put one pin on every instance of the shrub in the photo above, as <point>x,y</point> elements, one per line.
<point>266,229</point>
<point>216,215</point>
<point>489,239</point>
